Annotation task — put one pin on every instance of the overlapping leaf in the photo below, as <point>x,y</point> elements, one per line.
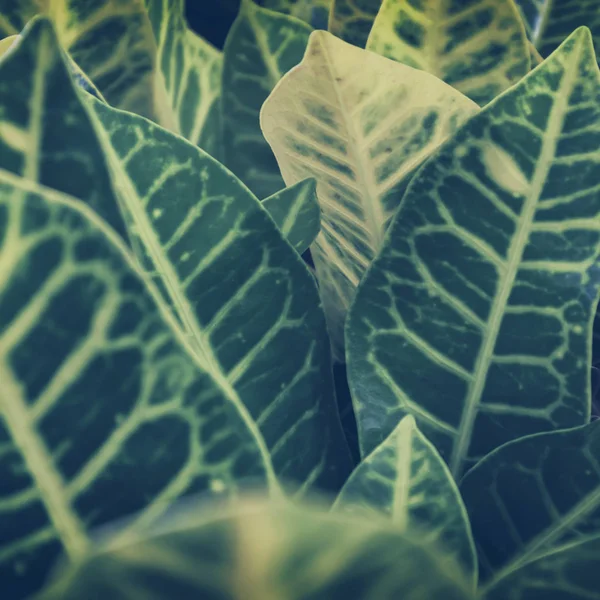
<point>480,47</point>
<point>476,317</point>
<point>103,410</point>
<point>406,480</point>
<point>266,552</point>
<point>534,495</point>
<point>140,55</point>
<point>313,12</point>
<point>46,135</point>
<point>550,22</point>
<point>241,294</point>
<point>352,20</point>
<point>261,47</point>
<point>296,212</point>
<point>359,124</point>
<point>571,573</point>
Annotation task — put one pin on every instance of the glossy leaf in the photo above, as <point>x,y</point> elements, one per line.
<point>313,12</point>
<point>240,293</point>
<point>263,551</point>
<point>476,317</point>
<point>359,124</point>
<point>296,212</point>
<point>405,480</point>
<point>50,145</point>
<point>480,47</point>
<point>571,573</point>
<point>141,57</point>
<point>352,20</point>
<point>550,22</point>
<point>533,495</point>
<point>261,47</point>
<point>103,409</point>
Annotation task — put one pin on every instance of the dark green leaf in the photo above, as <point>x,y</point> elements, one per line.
<point>476,317</point>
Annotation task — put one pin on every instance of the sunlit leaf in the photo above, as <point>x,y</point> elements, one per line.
<point>360,125</point>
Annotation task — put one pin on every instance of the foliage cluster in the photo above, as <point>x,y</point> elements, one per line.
<point>405,193</point>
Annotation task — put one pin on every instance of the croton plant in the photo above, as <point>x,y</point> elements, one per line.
<point>307,317</point>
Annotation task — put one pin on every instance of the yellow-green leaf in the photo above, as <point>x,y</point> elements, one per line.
<point>140,55</point>
<point>360,124</point>
<point>352,20</point>
<point>479,47</point>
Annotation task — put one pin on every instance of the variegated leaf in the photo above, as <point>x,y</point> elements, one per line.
<point>352,20</point>
<point>480,47</point>
<point>405,480</point>
<point>265,551</point>
<point>532,496</point>
<point>476,317</point>
<point>571,572</point>
<point>141,57</point>
<point>296,212</point>
<point>54,147</point>
<point>313,12</point>
<point>241,294</point>
<point>550,22</point>
<point>261,47</point>
<point>190,72</point>
<point>360,125</point>
<point>104,412</point>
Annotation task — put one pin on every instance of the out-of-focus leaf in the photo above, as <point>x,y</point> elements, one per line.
<point>104,411</point>
<point>261,551</point>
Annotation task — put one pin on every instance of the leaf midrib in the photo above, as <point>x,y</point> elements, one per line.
<point>370,199</point>
<point>180,303</point>
<point>404,450</point>
<point>515,253</point>
<point>38,459</point>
